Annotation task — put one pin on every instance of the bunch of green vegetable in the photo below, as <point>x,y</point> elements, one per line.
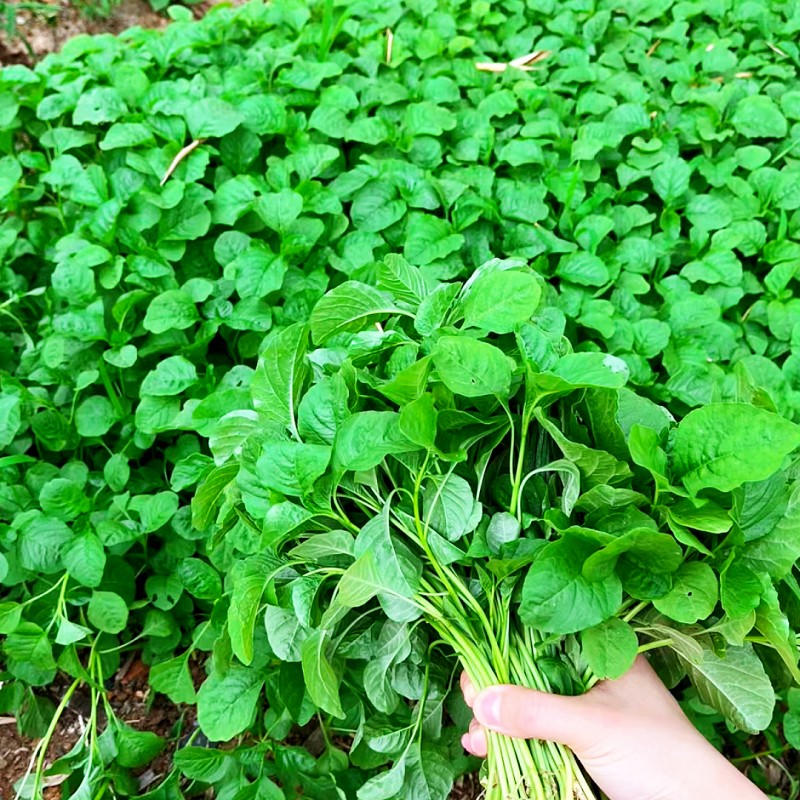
<point>441,455</point>
<point>171,198</point>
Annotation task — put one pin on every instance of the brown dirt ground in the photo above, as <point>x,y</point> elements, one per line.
<point>45,31</point>
<point>132,702</point>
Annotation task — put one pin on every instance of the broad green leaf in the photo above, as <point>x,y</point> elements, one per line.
<point>610,648</point>
<point>291,468</point>
<point>429,239</point>
<point>95,416</point>
<point>172,678</point>
<point>472,368</point>
<point>364,439</point>
<point>211,117</point>
<point>279,377</point>
<point>226,703</point>
<point>758,116</point>
<point>693,596</point>
<point>135,748</point>
<point>584,269</point>
<point>725,445</point>
<point>498,301</point>
<point>321,678</point>
<point>173,309</point>
<point>671,180</point>
<point>352,306</point>
<point>204,503</point>
<point>85,560</point>
<point>736,685</point>
<point>173,375</point>
<point>556,598</point>
<point>285,632</point>
<point>450,507</point>
<point>250,577</point>
<point>108,612</point>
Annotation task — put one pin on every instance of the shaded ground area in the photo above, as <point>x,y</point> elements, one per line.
<point>29,29</point>
<point>132,702</point>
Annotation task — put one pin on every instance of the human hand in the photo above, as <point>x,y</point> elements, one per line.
<point>630,735</point>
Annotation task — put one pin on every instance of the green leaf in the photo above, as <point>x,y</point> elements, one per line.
<point>724,445</point>
<point>323,410</point>
<point>350,307</point>
<point>758,116</point>
<point>366,438</point>
<point>279,376</point>
<point>429,239</point>
<point>204,503</point>
<point>170,310</point>
<point>226,703</point>
<point>285,632</point>
<point>155,510</point>
<point>10,617</point>
<point>85,560</point>
<point>429,775</point>
<point>292,467</point>
<point>499,301</point>
<point>385,785</point>
<point>10,175</point>
<point>204,764</point>
<point>199,579</point>
<point>693,596</point>
<point>472,368</point>
<point>99,105</point>
<point>556,598</point>
<point>583,269</point>
<point>95,416</point>
<point>249,579</point>
<point>610,648</point>
<point>108,612</point>
<point>450,507</point>
<point>135,748</point>
<point>400,570</point>
<point>173,375</point>
<point>671,180</point>
<point>320,676</point>
<point>736,685</point>
<point>172,678</point>
<point>211,118</point>
<point>126,134</point>
<point>280,210</point>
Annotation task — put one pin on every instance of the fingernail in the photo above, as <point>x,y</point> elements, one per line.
<point>487,707</point>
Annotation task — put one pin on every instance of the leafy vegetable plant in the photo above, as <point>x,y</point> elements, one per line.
<point>438,454</point>
<point>564,217</point>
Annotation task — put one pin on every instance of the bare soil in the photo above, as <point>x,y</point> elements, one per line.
<point>45,30</point>
<point>27,34</point>
<point>133,703</point>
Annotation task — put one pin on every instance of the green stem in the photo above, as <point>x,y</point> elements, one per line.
<point>635,610</point>
<point>51,729</point>
<point>516,499</point>
<point>643,648</point>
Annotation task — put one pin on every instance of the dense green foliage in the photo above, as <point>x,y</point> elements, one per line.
<point>213,335</point>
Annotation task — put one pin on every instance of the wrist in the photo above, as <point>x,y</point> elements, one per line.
<point>706,768</point>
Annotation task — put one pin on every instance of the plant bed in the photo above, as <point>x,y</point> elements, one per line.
<point>214,232</point>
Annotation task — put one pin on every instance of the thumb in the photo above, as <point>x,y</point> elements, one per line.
<point>528,714</point>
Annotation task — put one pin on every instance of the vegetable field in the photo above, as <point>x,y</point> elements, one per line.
<point>345,346</point>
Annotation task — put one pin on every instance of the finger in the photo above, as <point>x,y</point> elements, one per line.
<point>528,714</point>
<point>468,690</point>
<point>475,743</point>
